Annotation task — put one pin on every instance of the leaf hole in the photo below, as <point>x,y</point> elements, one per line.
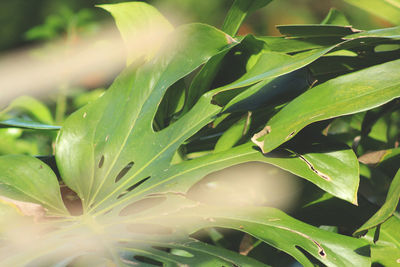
<point>132,187</point>
<point>164,249</point>
<point>386,48</point>
<point>170,106</point>
<point>149,229</point>
<point>310,257</point>
<point>124,171</point>
<point>141,205</point>
<point>101,161</point>
<point>147,260</point>
<point>175,251</point>
<point>71,200</point>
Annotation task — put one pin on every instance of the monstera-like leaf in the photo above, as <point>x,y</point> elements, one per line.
<point>135,207</point>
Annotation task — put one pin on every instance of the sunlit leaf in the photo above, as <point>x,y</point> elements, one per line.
<point>136,21</point>
<point>387,9</point>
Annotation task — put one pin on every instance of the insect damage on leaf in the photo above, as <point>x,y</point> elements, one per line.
<point>263,132</point>
<point>321,251</point>
<point>311,166</point>
<point>230,39</point>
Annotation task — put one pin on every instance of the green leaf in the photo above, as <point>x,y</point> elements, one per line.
<point>231,136</point>
<point>387,9</point>
<point>385,245</point>
<point>287,234</point>
<point>271,92</point>
<point>203,80</point>
<point>12,143</point>
<point>272,64</point>
<point>393,32</point>
<point>267,224</point>
<point>316,30</point>
<point>239,11</point>
<point>370,88</point>
<point>192,253</point>
<point>285,45</point>
<point>139,22</point>
<point>36,109</point>
<point>335,170</point>
<point>335,17</point>
<point>134,193</point>
<point>25,124</point>
<point>387,209</point>
<point>28,179</point>
<point>114,133</point>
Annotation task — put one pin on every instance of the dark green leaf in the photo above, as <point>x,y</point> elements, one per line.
<point>25,124</point>
<point>233,134</point>
<point>385,245</point>
<point>316,30</point>
<point>285,45</point>
<point>387,209</point>
<point>370,88</point>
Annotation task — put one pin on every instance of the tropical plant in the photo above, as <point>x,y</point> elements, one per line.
<point>310,103</point>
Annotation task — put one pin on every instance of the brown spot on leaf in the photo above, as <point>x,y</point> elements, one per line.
<point>373,158</point>
<point>230,39</point>
<point>246,245</point>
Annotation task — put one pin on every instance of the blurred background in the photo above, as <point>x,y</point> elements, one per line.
<point>26,22</point>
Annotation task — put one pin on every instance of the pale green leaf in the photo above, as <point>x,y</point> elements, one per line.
<point>28,179</point>
<point>142,27</point>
